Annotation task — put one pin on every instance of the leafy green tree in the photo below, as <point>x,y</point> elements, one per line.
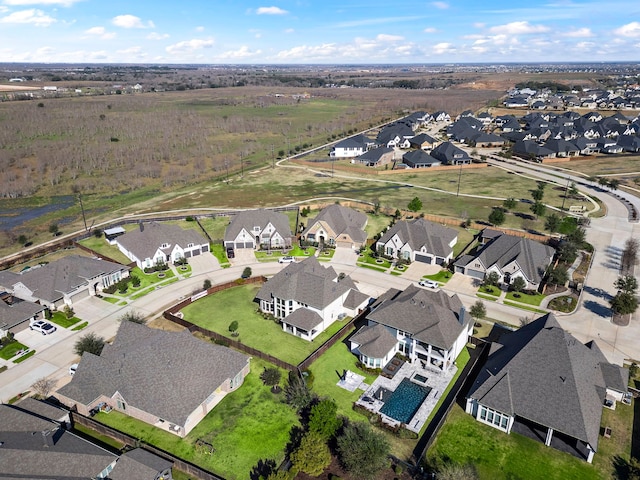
<point>362,451</point>
<point>567,251</point>
<point>312,455</point>
<point>491,279</point>
<point>558,275</point>
<point>233,327</point>
<point>614,183</point>
<point>22,239</point>
<point>271,376</point>
<point>206,285</point>
<point>538,209</point>
<point>324,420</point>
<point>478,311</point>
<point>552,223</point>
<point>537,195</point>
<point>624,303</point>
<point>297,393</point>
<point>415,205</point>
<point>627,284</point>
<point>90,342</point>
<point>246,273</point>
<point>132,316</point>
<point>497,216</point>
<point>518,284</point>
<point>510,203</point>
<point>578,237</point>
<point>53,229</point>
<point>573,189</point>
<point>68,311</point>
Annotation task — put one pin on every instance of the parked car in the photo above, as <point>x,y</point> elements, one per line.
<point>286,260</point>
<point>45,328</point>
<point>428,283</point>
<point>230,252</point>
<point>73,368</point>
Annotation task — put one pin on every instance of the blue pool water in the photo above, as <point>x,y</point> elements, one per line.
<point>405,401</point>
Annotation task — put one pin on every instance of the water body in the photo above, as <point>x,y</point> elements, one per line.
<point>15,217</point>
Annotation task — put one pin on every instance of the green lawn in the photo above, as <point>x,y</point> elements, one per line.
<point>101,246</point>
<point>248,425</point>
<point>215,226</point>
<point>80,327</point>
<point>487,297</point>
<point>215,312</point>
<point>218,251</point>
<point>490,290</point>
<point>10,350</point>
<point>21,359</point>
<point>499,456</point>
<point>526,298</point>
<point>523,307</point>
<point>59,318</point>
<point>443,276</point>
<point>368,259</point>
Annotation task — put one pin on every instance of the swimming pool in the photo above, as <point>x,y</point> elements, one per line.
<point>405,401</point>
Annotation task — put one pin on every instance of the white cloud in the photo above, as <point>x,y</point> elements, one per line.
<point>132,53</point>
<point>430,30</point>
<point>157,36</point>
<point>383,37</point>
<point>289,30</point>
<point>442,48</point>
<point>131,21</point>
<point>64,3</point>
<point>100,32</point>
<point>242,52</point>
<point>440,5</point>
<point>518,28</point>
<point>189,46</point>
<point>31,16</point>
<point>579,33</point>
<point>3,9</point>
<point>629,30</point>
<point>271,11</point>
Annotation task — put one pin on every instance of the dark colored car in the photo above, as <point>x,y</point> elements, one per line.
<point>230,253</point>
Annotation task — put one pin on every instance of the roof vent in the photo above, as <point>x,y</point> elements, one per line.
<point>422,304</point>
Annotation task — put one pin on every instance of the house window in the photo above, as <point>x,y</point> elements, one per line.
<point>164,245</point>
<point>256,228</point>
<point>493,418</point>
<point>189,245</point>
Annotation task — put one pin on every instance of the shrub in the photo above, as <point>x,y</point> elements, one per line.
<point>68,311</point>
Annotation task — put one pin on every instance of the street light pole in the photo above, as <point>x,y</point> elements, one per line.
<point>459,178</point>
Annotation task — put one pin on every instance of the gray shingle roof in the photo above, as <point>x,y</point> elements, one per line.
<point>430,316</point>
<point>342,220</point>
<point>532,257</point>
<point>543,374</point>
<point>423,233</point>
<point>139,464</point>
<point>257,218</point>
<point>374,341</point>
<point>18,312</point>
<point>145,241</point>
<point>24,454</point>
<point>167,374</point>
<point>306,282</point>
<point>303,318</point>
<point>51,281</point>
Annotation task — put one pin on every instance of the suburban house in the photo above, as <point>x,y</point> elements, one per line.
<point>419,159</point>
<point>530,149</point>
<point>308,297</point>
<point>418,241</point>
<point>351,147</point>
<point>510,257</point>
<point>394,135</point>
<point>258,229</point>
<point>153,243</point>
<point>376,157</point>
<point>15,313</point>
<point>64,281</point>
<point>337,225</point>
<point>36,443</point>
<point>423,141</point>
<point>170,380</point>
<point>449,154</point>
<point>539,381</point>
<point>429,327</point>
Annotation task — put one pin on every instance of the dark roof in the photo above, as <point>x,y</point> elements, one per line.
<point>357,141</point>
<point>342,220</point>
<point>145,241</point>
<point>51,281</point>
<point>543,374</point>
<point>374,341</point>
<point>25,453</point>
<point>430,316</point>
<point>355,298</point>
<point>418,158</point>
<point>167,374</point>
<point>449,153</point>
<point>306,282</point>
<point>248,219</point>
<point>422,138</point>
<point>17,312</point>
<point>303,318</point>
<point>139,464</point>
<point>375,154</point>
<point>420,233</point>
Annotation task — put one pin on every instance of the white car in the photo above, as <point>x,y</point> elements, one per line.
<point>286,260</point>
<point>428,283</point>
<point>45,328</point>
<point>73,368</point>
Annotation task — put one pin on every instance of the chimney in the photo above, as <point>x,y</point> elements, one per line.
<point>47,438</point>
<point>461,315</point>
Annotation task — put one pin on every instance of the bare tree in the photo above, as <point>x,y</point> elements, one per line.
<point>44,386</point>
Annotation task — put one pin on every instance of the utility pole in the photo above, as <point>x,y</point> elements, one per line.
<point>84,218</point>
<point>459,178</point>
<point>566,192</point>
<point>241,166</point>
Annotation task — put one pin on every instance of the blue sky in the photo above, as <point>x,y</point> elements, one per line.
<point>318,31</point>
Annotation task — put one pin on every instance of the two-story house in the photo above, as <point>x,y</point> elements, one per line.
<point>258,229</point>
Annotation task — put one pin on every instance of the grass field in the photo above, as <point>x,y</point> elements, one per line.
<point>9,350</point>
<point>248,425</point>
<point>59,318</point>
<point>215,312</point>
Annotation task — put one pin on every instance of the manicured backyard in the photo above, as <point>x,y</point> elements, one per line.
<point>216,312</point>
<point>248,425</point>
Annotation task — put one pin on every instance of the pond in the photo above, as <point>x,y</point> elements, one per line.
<point>15,217</point>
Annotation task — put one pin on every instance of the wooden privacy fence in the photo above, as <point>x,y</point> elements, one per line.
<point>182,465</point>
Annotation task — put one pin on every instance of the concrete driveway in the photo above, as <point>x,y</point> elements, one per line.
<point>417,270</point>
<point>345,256</point>
<point>243,256</point>
<point>203,263</point>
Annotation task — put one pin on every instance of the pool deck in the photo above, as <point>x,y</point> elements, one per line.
<point>437,380</point>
